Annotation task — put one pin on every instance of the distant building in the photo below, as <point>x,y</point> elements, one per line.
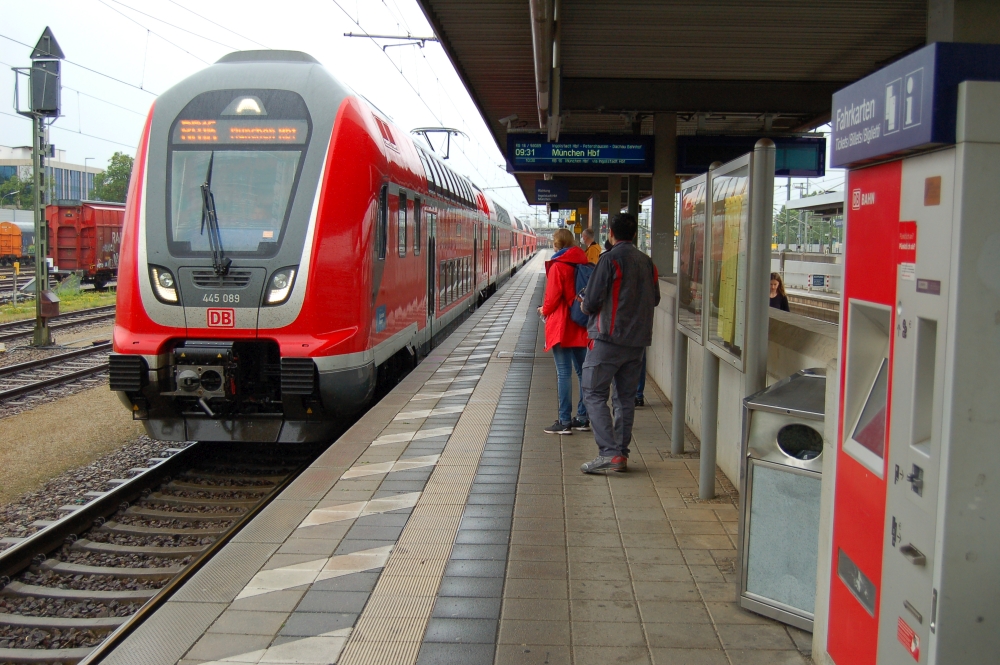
<point>62,179</point>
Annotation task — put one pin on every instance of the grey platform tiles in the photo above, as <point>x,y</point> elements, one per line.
<point>293,585</point>
<point>463,625</point>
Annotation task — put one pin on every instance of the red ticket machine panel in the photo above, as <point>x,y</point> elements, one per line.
<point>870,269</point>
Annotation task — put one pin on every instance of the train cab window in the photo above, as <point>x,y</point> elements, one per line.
<point>249,145</point>
<point>401,224</point>
<point>382,227</point>
<point>417,222</point>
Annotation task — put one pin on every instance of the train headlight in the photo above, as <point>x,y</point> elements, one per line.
<point>280,287</point>
<point>164,285</point>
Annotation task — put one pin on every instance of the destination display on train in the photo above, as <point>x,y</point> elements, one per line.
<point>594,153</point>
<point>242,131</point>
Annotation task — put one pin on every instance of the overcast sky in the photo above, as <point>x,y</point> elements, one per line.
<point>149,45</point>
<point>134,41</point>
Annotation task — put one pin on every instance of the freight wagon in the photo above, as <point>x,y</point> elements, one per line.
<point>10,243</point>
<point>84,237</point>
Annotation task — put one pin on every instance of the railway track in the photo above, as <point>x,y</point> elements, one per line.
<point>28,377</point>
<point>95,573</point>
<point>16,329</point>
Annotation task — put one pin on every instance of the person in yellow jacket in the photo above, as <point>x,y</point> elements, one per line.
<point>592,249</point>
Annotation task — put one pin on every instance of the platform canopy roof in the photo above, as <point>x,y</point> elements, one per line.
<point>724,66</point>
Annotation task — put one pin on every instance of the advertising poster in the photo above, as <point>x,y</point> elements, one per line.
<point>691,260</point>
<point>729,228</point>
<point>730,263</point>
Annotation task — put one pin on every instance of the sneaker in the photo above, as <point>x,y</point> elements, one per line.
<point>616,463</point>
<point>580,425</point>
<point>639,401</point>
<point>558,428</point>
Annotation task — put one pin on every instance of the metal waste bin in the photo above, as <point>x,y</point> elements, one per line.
<point>779,498</point>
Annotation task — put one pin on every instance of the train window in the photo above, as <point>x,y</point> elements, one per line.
<point>434,175</point>
<point>381,228</point>
<point>401,224</point>
<point>417,221</point>
<point>427,170</point>
<point>452,185</point>
<point>458,229</point>
<point>439,178</point>
<point>451,281</point>
<point>443,283</point>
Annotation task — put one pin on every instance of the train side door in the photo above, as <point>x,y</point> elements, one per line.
<point>431,270</point>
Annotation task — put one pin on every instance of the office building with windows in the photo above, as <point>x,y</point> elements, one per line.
<point>63,180</point>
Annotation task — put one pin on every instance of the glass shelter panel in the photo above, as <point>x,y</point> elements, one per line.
<point>691,259</point>
<point>728,228</point>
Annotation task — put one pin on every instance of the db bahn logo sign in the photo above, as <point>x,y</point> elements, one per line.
<point>221,317</point>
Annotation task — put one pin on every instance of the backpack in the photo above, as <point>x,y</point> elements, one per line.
<point>582,271</point>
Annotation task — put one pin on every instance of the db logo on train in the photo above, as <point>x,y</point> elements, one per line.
<point>221,317</point>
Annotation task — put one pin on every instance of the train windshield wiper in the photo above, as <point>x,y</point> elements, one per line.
<point>210,217</point>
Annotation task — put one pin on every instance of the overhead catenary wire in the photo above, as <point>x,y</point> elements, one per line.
<point>89,69</point>
<point>219,25</point>
<point>71,131</point>
<point>176,27</point>
<point>406,79</point>
<point>177,46</point>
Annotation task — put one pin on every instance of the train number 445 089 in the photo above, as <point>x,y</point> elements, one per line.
<point>221,297</point>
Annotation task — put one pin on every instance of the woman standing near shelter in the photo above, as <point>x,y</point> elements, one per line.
<point>778,298</point>
<point>567,340</point>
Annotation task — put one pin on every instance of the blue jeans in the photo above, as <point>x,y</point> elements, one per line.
<point>569,359</point>
<point>642,379</point>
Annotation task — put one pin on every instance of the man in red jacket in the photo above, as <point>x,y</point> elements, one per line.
<point>567,340</point>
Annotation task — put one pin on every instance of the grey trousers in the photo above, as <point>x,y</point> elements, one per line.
<point>608,362</point>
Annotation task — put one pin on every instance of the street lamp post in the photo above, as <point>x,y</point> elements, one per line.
<point>8,194</point>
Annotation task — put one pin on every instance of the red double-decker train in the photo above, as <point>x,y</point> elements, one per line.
<point>285,250</point>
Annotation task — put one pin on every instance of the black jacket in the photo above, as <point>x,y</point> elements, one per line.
<point>621,296</point>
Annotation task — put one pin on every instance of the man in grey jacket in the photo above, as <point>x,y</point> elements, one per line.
<point>619,299</point>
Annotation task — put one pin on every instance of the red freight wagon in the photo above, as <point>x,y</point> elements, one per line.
<point>84,237</point>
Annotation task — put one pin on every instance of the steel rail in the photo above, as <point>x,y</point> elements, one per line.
<point>53,360</point>
<point>103,310</point>
<point>18,557</point>
<point>52,381</point>
<point>135,620</point>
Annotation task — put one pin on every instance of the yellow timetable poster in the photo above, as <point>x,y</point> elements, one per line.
<point>730,264</point>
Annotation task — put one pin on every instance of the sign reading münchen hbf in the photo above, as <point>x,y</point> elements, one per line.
<point>595,153</point>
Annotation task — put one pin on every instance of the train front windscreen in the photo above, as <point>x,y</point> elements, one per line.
<point>238,154</point>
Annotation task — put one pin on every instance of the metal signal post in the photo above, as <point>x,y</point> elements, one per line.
<point>43,336</point>
<point>45,96</point>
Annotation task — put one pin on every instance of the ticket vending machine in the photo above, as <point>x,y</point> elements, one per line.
<point>916,525</point>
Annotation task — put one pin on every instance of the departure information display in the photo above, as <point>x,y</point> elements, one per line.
<point>593,153</point>
<point>255,131</point>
